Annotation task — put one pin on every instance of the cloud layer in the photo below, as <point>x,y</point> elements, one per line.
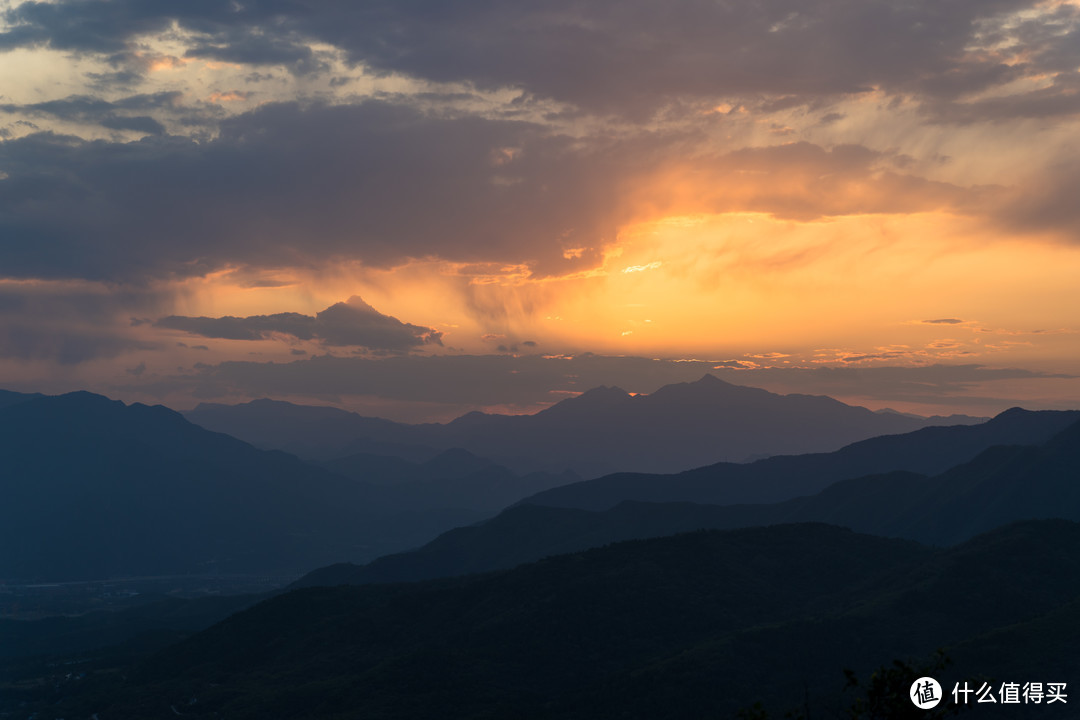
<point>451,385</point>
<point>382,183</point>
<point>626,56</point>
<point>351,323</point>
<point>691,171</point>
<point>385,177</point>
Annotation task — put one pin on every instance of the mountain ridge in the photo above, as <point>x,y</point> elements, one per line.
<point>928,450</point>
<point>93,487</point>
<point>973,497</point>
<point>678,427</point>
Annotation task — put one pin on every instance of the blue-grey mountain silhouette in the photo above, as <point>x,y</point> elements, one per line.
<point>927,451</point>
<point>603,430</point>
<point>93,488</point>
<point>1001,484</point>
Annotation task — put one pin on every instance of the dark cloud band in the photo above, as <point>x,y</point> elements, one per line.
<point>383,183</point>
<point>352,323</point>
<point>624,56</point>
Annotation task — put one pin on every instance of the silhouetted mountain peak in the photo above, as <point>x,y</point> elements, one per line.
<point>601,393</point>
<point>87,419</point>
<point>1014,419</point>
<point>597,399</point>
<point>708,390</point>
<point>104,488</point>
<point>602,430</point>
<point>67,409</point>
<point>10,397</point>
<point>85,398</point>
<point>279,408</point>
<point>470,418</point>
<point>268,402</point>
<point>1013,412</point>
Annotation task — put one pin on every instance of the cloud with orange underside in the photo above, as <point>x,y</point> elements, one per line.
<point>230,96</point>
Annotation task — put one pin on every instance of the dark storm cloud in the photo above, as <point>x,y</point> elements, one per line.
<point>286,185</point>
<point>612,55</point>
<point>141,124</point>
<point>357,323</point>
<point>261,49</point>
<point>113,115</point>
<point>1050,39</point>
<point>254,327</point>
<point>69,325</point>
<point>635,54</point>
<point>101,27</point>
<point>1060,98</point>
<point>1048,204</point>
<point>23,340</point>
<point>118,79</point>
<point>343,324</point>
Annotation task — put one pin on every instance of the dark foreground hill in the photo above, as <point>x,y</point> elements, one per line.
<point>1002,484</point>
<point>153,623</point>
<point>603,430</point>
<point>695,625</point>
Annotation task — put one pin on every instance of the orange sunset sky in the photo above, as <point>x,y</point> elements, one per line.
<point>418,209</point>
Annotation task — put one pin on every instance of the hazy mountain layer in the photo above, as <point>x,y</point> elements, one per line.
<point>604,430</point>
<point>928,451</point>
<point>93,488</point>
<point>318,433</point>
<point>1003,484</point>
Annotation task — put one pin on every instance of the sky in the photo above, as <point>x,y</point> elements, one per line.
<point>416,208</point>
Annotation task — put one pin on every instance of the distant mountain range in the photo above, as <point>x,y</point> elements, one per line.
<point>92,488</point>
<point>928,451</point>
<point>1002,484</point>
<point>696,625</point>
<point>516,616</point>
<point>7,397</point>
<point>603,430</point>
<point>308,431</point>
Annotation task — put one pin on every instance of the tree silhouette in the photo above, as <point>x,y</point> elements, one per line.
<point>884,696</point>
